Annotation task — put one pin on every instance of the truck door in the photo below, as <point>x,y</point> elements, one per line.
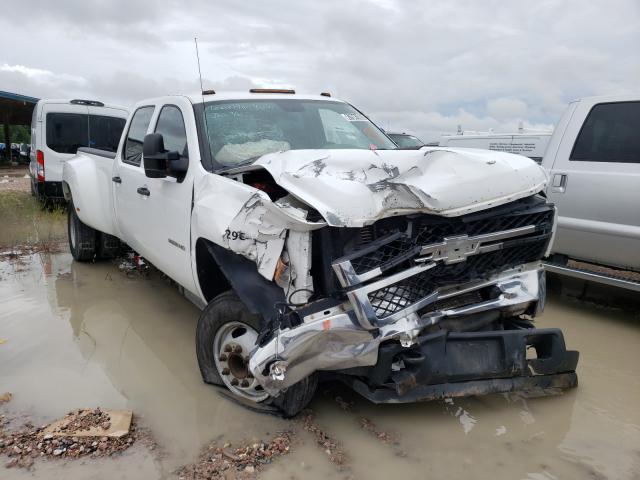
<point>128,177</point>
<point>167,207</point>
<point>595,183</point>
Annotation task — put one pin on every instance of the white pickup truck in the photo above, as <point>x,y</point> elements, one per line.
<point>317,249</point>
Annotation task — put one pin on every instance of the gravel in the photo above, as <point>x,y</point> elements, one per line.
<point>23,446</point>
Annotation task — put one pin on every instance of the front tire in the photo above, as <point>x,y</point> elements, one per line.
<point>226,333</point>
<point>82,238</point>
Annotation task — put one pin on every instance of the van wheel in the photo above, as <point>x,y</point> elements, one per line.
<point>227,332</point>
<point>82,238</point>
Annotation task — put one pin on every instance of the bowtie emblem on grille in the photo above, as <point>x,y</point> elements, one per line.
<point>457,249</point>
<point>450,250</point>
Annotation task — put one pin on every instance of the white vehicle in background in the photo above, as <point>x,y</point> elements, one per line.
<point>530,143</point>
<point>59,128</point>
<point>594,163</point>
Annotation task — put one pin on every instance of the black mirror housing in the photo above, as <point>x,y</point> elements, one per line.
<point>159,163</point>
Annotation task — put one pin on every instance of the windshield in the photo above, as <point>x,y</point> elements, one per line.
<point>406,141</point>
<point>240,131</point>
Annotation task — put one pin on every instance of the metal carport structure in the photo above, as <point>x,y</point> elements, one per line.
<point>15,109</point>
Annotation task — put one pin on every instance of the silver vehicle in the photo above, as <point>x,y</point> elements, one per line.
<point>405,141</point>
<point>594,163</point>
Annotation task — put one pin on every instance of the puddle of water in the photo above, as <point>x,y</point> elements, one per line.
<point>86,335</point>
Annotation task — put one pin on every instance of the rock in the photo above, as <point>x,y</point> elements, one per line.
<point>57,452</point>
<point>48,436</point>
<point>11,463</point>
<point>249,469</point>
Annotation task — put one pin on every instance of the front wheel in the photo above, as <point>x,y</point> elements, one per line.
<point>82,238</point>
<point>226,334</point>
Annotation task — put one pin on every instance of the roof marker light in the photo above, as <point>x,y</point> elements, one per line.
<point>271,90</point>
<point>90,103</point>
<point>325,94</point>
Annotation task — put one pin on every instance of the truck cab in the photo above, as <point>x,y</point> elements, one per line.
<point>594,163</point>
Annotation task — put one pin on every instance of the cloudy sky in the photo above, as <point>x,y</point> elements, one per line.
<point>422,67</point>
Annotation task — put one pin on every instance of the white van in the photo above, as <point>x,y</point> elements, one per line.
<point>58,128</point>
<point>531,144</point>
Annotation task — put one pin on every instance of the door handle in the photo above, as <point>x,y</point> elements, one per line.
<point>144,191</point>
<point>559,183</point>
<point>116,179</point>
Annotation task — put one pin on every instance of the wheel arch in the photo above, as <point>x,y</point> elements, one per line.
<point>219,270</point>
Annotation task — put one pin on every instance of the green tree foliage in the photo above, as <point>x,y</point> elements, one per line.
<point>19,133</point>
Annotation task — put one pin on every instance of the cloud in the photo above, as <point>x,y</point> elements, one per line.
<point>421,67</point>
<point>507,108</point>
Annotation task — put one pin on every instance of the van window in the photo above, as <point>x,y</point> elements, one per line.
<point>68,131</point>
<point>611,133</point>
<point>137,130</point>
<point>171,126</point>
<point>105,132</point>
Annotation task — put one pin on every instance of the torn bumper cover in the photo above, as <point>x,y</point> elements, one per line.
<point>400,365</point>
<point>472,363</point>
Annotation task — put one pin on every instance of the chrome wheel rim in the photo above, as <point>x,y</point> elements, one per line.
<point>232,345</point>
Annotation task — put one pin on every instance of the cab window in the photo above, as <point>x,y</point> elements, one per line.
<point>610,134</point>
<point>171,126</point>
<point>132,152</point>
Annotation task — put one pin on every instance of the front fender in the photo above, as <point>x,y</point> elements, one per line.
<point>245,221</point>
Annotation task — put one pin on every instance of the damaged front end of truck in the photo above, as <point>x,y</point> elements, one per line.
<point>408,275</point>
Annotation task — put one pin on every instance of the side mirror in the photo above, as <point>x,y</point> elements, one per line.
<point>159,163</point>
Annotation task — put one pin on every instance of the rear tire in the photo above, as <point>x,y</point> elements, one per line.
<point>224,313</point>
<point>82,238</point>
<point>108,246</point>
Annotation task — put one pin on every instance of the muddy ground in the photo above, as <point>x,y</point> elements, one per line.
<point>87,335</point>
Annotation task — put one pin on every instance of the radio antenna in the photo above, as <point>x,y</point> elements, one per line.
<point>204,114</point>
<point>195,39</point>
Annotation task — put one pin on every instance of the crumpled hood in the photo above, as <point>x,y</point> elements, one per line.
<point>353,188</point>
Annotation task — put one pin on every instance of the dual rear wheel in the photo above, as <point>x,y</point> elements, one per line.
<point>87,244</point>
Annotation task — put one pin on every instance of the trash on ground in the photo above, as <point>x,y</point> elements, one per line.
<point>81,433</point>
<point>133,264</point>
<point>5,397</point>
<point>241,462</point>
<point>92,423</point>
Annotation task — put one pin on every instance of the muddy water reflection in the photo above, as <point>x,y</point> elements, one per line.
<point>88,335</point>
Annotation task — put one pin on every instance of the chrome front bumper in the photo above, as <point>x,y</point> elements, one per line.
<point>336,339</point>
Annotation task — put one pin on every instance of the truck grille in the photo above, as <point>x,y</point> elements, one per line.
<point>458,250</point>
